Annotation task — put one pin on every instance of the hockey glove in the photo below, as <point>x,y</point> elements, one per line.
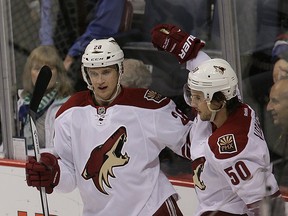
<point>173,40</point>
<point>45,173</point>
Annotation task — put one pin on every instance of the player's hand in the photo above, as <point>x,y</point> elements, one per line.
<point>45,173</point>
<point>68,62</point>
<point>173,40</point>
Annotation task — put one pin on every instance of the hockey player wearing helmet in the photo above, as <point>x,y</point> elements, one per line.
<point>213,78</point>
<point>108,139</point>
<point>232,173</point>
<point>102,67</point>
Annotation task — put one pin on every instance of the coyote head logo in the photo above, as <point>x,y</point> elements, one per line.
<point>104,158</point>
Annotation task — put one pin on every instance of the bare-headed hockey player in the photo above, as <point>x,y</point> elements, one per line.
<point>231,168</point>
<point>108,139</point>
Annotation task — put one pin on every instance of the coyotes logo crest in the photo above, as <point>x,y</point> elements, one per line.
<point>104,158</point>
<point>197,167</point>
<point>219,69</point>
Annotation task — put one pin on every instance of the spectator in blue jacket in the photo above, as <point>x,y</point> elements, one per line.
<point>77,23</point>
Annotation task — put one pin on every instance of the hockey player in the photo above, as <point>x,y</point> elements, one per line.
<point>108,139</point>
<point>232,173</point>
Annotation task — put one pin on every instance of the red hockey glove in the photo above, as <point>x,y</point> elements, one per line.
<point>45,173</point>
<point>173,40</point>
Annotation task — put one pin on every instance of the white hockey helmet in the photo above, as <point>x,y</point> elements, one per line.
<point>212,76</point>
<point>102,53</point>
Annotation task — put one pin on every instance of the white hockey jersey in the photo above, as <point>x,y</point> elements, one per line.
<point>111,153</point>
<point>231,169</point>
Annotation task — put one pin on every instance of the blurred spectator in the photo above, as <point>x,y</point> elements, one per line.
<point>280,57</point>
<point>78,22</point>
<point>58,91</point>
<point>278,106</point>
<point>278,103</point>
<point>280,71</point>
<point>136,74</point>
<point>261,26</point>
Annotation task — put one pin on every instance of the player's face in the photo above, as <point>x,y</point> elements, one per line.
<point>35,72</point>
<point>104,81</point>
<point>200,104</point>
<point>278,106</point>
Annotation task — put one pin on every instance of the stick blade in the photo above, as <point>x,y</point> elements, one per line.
<point>41,84</point>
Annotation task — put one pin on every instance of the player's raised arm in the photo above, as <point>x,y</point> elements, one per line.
<point>174,40</point>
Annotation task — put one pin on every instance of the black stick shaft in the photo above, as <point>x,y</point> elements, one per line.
<point>41,85</point>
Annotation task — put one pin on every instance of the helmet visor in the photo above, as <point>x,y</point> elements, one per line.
<point>187,95</point>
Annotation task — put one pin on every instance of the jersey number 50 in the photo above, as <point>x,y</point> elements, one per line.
<point>239,171</point>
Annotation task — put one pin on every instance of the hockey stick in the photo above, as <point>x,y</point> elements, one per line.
<point>41,84</point>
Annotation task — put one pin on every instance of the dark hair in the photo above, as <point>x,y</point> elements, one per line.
<point>231,104</point>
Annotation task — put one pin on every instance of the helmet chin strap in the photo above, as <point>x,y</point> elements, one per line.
<point>214,112</point>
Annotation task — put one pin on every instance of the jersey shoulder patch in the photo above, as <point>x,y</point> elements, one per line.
<point>227,144</point>
<point>232,137</point>
<point>153,96</point>
<point>144,98</point>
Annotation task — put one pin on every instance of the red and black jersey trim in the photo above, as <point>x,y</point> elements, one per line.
<point>232,137</point>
